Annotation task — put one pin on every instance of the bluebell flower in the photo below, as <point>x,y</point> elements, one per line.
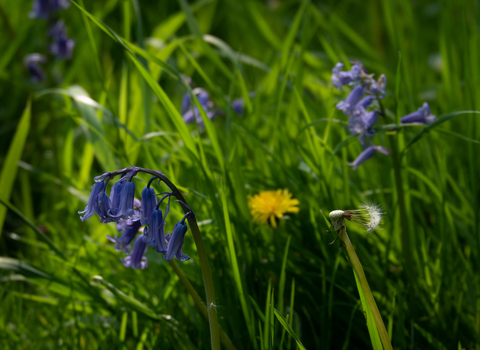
<point>44,8</point>
<point>137,260</point>
<point>115,198</point>
<point>422,116</point>
<point>102,206</point>
<point>175,241</point>
<point>238,105</point>
<point>31,62</point>
<point>365,102</point>
<point>62,45</point>
<point>149,202</point>
<point>130,229</point>
<point>340,79</point>
<point>185,103</point>
<point>377,87</point>
<point>90,208</point>
<point>353,98</point>
<point>362,125</point>
<point>155,233</point>
<point>368,153</point>
<point>193,114</point>
<point>125,208</point>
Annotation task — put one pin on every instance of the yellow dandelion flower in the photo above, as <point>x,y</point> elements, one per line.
<point>272,205</point>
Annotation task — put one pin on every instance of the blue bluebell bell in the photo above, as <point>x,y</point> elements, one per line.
<point>175,241</point>
<point>422,116</point>
<point>186,104</point>
<point>62,45</point>
<point>130,229</point>
<point>238,106</point>
<point>102,206</point>
<point>368,153</point>
<point>155,233</point>
<point>362,124</point>
<point>31,62</point>
<point>377,87</point>
<point>127,195</point>
<point>137,260</point>
<point>90,208</point>
<point>44,8</point>
<point>353,98</point>
<point>340,79</point>
<point>149,202</point>
<point>115,198</point>
<point>365,102</point>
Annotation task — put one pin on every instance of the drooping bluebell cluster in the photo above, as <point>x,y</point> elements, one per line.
<point>130,214</point>
<point>359,106</point>
<point>190,112</point>
<point>61,46</point>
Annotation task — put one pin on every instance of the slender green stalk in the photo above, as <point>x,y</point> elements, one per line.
<point>202,254</point>
<point>199,302</point>
<point>366,288</point>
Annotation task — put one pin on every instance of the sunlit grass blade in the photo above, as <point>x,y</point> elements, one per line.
<point>289,329</point>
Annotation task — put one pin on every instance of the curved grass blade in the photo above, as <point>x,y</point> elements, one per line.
<point>289,329</point>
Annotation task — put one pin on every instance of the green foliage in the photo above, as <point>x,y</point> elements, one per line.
<point>117,102</point>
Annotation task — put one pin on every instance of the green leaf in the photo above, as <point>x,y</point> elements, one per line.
<point>289,329</point>
<point>10,164</point>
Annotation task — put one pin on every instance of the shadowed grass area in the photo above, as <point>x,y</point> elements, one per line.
<point>117,103</point>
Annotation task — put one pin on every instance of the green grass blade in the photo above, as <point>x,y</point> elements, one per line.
<point>289,329</point>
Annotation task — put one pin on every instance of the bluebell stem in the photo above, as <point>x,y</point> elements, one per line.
<point>31,62</point>
<point>130,229</point>
<point>155,233</point>
<point>44,8</point>
<point>137,260</point>
<point>90,208</point>
<point>422,116</point>
<point>353,98</point>
<point>175,241</point>
<point>368,153</point>
<point>62,45</point>
<point>340,79</point>
<point>149,202</point>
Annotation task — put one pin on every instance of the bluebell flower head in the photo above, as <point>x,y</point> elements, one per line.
<point>90,208</point>
<point>137,260</point>
<point>130,229</point>
<point>31,62</point>
<point>102,206</point>
<point>340,78</point>
<point>175,241</point>
<point>115,198</point>
<point>155,233</point>
<point>185,103</point>
<point>368,153</point>
<point>44,8</point>
<point>62,45</point>
<point>422,116</point>
<point>353,98</point>
<point>149,202</point>
<point>192,113</point>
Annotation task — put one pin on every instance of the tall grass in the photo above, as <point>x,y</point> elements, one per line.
<point>117,102</point>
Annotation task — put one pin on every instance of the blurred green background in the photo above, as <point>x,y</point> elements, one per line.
<point>54,140</point>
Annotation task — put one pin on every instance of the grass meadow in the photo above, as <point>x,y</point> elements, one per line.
<point>117,103</point>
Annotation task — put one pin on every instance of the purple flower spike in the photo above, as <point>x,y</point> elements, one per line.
<point>155,233</point>
<point>175,243</point>
<point>137,259</point>
<point>44,8</point>
<point>31,62</point>
<point>130,229</point>
<point>62,45</point>
<point>368,153</point>
<point>149,202</point>
<point>422,116</point>
<point>90,208</point>
<point>353,98</point>
<point>102,206</point>
<point>340,79</point>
